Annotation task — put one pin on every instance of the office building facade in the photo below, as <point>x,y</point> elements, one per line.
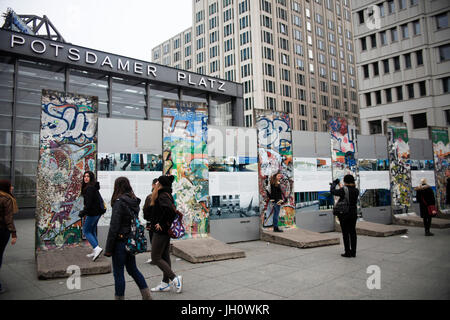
<point>403,61</point>
<point>291,56</point>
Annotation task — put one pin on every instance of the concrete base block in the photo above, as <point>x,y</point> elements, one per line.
<point>54,263</point>
<point>204,250</point>
<point>416,221</point>
<point>365,228</point>
<point>299,238</point>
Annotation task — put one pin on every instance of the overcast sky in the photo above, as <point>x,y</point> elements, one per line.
<point>125,27</point>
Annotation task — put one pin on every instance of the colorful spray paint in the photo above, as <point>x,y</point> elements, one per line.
<point>441,149</point>
<point>68,147</point>
<point>185,156</point>
<point>399,167</point>
<point>343,150</point>
<point>275,156</point>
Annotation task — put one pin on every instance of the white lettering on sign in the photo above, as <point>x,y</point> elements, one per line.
<point>121,64</point>
<point>202,82</point>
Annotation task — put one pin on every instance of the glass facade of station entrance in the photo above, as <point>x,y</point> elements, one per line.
<point>21,84</point>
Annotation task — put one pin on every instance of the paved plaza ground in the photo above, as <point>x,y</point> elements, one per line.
<point>411,267</point>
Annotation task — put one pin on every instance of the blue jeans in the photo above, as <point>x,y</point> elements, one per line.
<point>276,213</point>
<point>90,230</point>
<point>121,258</point>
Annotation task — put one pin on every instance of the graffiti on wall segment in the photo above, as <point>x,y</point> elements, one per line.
<point>441,150</point>
<point>399,166</point>
<point>185,156</point>
<point>67,149</point>
<point>275,155</point>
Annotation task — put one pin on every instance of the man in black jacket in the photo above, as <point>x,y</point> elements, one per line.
<point>348,222</point>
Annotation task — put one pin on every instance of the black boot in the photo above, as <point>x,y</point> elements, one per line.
<point>276,229</point>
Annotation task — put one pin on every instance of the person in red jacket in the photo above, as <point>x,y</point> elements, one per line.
<point>8,206</point>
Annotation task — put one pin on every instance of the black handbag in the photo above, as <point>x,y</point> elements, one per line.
<point>342,207</point>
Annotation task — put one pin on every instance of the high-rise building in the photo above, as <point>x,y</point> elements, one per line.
<point>291,56</point>
<point>403,61</point>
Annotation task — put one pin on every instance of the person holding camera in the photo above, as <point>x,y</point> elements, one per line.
<point>348,221</point>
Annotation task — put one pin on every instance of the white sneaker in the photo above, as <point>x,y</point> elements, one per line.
<point>97,251</point>
<point>90,255</point>
<point>149,261</point>
<point>178,283</point>
<point>162,287</point>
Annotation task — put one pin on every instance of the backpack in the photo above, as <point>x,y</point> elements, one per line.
<point>102,208</point>
<point>342,207</point>
<point>136,241</point>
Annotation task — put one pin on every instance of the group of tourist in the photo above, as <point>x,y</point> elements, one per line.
<point>159,211</point>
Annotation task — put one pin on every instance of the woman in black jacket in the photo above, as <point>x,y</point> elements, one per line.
<point>425,197</point>
<point>163,213</point>
<point>91,199</point>
<point>123,201</point>
<point>348,223</point>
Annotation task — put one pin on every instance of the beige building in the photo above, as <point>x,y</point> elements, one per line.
<point>403,61</point>
<point>292,56</point>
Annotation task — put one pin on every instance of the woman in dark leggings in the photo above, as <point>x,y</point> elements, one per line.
<point>163,213</point>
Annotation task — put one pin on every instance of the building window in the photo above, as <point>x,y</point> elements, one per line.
<point>422,88</point>
<point>388,95</point>
<point>444,52</point>
<point>375,69</point>
<point>363,44</point>
<point>401,4</point>
<point>386,65</point>
<point>381,7</point>
<point>366,71</point>
<point>399,93</point>
<point>391,6</point>
<point>361,16</point>
<point>446,84</point>
<point>394,35</point>
<point>396,63</point>
<point>378,96</point>
<point>405,31</point>
<point>419,58</point>
<point>410,89</point>
<point>414,2</point>
<point>419,120</point>
<point>416,27</point>
<point>368,99</point>
<point>375,126</point>
<point>407,60</point>
<point>373,40</point>
<point>383,38</point>
<point>442,21</point>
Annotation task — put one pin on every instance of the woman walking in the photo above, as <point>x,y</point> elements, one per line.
<point>8,207</point>
<point>348,222</point>
<point>276,197</point>
<point>425,197</point>
<point>91,198</point>
<point>163,213</point>
<point>123,201</point>
<point>147,215</point>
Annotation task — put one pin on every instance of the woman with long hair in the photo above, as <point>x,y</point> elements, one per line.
<point>162,214</point>
<point>91,199</point>
<point>8,207</point>
<point>276,197</point>
<point>123,201</point>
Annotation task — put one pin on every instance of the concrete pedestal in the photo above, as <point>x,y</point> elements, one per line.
<point>204,250</point>
<point>54,263</point>
<point>299,238</point>
<point>416,221</point>
<point>365,228</point>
